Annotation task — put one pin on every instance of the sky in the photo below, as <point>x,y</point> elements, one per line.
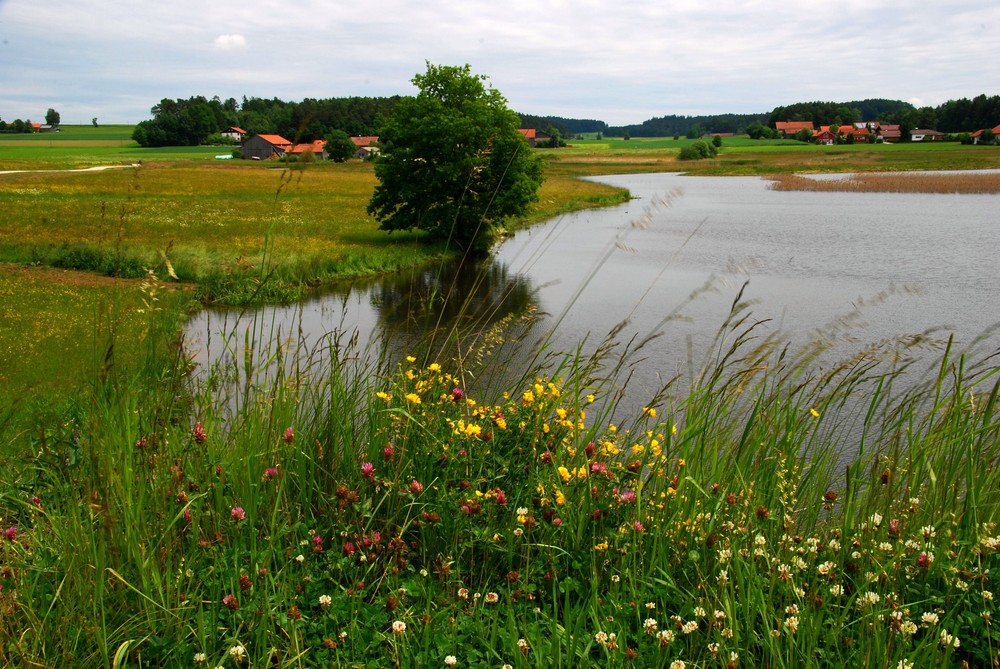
<point>620,62</point>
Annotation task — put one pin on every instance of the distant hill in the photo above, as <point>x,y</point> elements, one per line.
<point>829,113</point>
<point>668,126</point>
<point>567,127</point>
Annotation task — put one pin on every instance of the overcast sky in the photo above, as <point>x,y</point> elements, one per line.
<point>621,62</point>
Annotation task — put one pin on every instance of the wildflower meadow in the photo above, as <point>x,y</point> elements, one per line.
<point>379,514</point>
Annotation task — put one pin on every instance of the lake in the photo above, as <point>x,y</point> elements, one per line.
<point>848,268</point>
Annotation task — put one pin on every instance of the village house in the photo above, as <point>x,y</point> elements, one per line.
<point>235,133</point>
<point>316,147</point>
<point>926,135</point>
<point>890,133</point>
<point>824,136</point>
<point>977,136</point>
<point>265,147</point>
<point>788,129</point>
<point>529,134</point>
<point>367,146</point>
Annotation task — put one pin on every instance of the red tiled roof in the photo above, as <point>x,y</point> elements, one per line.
<point>529,133</point>
<point>315,146</point>
<point>365,140</point>
<point>239,130</point>
<point>793,126</point>
<point>277,140</point>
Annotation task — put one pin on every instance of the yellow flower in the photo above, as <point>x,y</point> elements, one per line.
<point>581,473</point>
<point>413,398</point>
<point>814,412</point>
<point>649,411</point>
<point>560,498</point>
<point>410,359</point>
<point>528,397</point>
<point>473,430</point>
<point>603,546</point>
<point>435,367</point>
<point>565,474</point>
<point>561,413</point>
<point>590,399</point>
<point>673,429</point>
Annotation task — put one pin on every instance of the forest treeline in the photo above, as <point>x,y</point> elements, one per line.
<point>197,119</point>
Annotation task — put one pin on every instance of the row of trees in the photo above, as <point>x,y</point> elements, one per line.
<point>191,122</point>
<point>688,126</point>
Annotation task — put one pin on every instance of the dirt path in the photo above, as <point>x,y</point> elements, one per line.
<point>98,168</point>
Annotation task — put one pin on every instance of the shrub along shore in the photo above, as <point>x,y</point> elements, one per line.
<point>362,513</point>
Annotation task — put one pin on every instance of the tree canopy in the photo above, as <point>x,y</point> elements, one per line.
<point>52,117</point>
<point>453,163</point>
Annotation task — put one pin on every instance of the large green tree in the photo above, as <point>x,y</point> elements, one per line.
<point>453,162</point>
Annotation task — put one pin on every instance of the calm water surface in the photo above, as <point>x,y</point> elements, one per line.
<point>818,264</point>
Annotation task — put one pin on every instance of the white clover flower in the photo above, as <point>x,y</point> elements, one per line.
<point>836,590</point>
<point>904,664</point>
<point>677,664</point>
<point>450,660</point>
<point>650,605</point>
<point>300,558</point>
<point>200,658</point>
<point>792,624</point>
<point>325,600</point>
<point>650,625</point>
<point>398,627</point>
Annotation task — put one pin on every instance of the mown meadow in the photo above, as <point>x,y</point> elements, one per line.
<point>365,512</point>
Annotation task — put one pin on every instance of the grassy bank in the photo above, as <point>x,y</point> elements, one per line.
<point>381,516</point>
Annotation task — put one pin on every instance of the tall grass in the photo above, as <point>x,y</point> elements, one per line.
<point>352,512</point>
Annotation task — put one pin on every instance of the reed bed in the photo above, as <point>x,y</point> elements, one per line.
<point>889,182</point>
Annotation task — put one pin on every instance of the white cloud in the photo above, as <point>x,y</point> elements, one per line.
<point>230,42</point>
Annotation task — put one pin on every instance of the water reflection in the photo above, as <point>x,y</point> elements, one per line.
<point>848,270</point>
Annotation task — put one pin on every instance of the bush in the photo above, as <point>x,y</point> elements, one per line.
<point>698,150</point>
